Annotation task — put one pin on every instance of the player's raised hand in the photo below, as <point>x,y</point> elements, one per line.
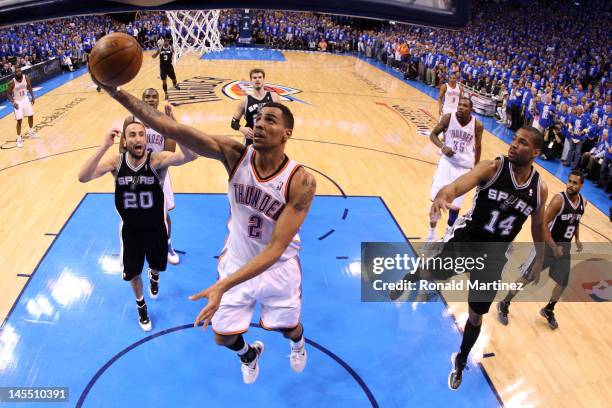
<point>247,132</point>
<point>111,90</point>
<point>109,137</point>
<point>168,111</point>
<point>440,204</point>
<point>213,294</point>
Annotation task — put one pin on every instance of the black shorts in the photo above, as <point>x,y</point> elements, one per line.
<point>140,243</point>
<point>558,268</point>
<point>464,245</point>
<point>167,71</point>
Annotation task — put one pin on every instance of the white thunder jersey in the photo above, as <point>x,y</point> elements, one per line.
<point>462,140</point>
<point>255,205</point>
<point>451,98</point>
<point>20,91</point>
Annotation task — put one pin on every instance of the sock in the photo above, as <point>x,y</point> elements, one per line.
<point>155,275</point>
<point>550,306</point>
<point>470,335</point>
<point>140,302</point>
<point>245,351</point>
<point>297,344</point>
<point>452,217</point>
<point>169,245</point>
<point>432,232</point>
<point>509,297</point>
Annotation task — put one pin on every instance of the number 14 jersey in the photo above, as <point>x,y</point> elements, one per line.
<point>501,206</point>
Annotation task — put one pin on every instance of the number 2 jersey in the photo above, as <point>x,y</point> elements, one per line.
<point>139,197</point>
<point>255,205</point>
<point>501,207</point>
<point>563,226</point>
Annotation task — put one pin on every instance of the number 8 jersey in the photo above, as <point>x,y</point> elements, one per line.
<point>139,197</point>
<point>563,226</point>
<point>500,207</point>
<point>255,205</point>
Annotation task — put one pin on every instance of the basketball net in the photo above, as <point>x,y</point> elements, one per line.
<point>194,31</point>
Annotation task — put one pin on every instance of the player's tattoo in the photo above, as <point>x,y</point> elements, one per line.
<point>306,197</point>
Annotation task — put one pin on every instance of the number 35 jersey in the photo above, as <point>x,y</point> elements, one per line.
<point>501,206</point>
<point>255,206</point>
<point>462,139</point>
<point>139,197</point>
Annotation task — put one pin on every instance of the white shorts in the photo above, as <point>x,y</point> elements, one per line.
<point>445,174</point>
<point>278,290</point>
<point>25,109</point>
<point>168,193</point>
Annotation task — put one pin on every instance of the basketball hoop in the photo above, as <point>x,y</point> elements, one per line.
<point>194,31</point>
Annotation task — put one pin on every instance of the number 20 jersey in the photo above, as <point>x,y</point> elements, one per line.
<point>501,207</point>
<point>139,197</point>
<point>255,205</point>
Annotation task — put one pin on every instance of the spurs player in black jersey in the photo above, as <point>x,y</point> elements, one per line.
<point>139,200</point>
<point>562,217</point>
<point>251,104</point>
<point>166,69</point>
<point>158,143</point>
<point>508,191</point>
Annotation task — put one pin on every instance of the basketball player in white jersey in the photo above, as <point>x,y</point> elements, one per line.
<point>270,196</point>
<point>250,105</point>
<point>460,153</point>
<point>450,93</point>
<point>158,143</point>
<point>17,94</point>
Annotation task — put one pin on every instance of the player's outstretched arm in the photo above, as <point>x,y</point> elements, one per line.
<point>93,167</point>
<point>480,174</point>
<point>538,234</point>
<point>220,148</point>
<point>301,193</point>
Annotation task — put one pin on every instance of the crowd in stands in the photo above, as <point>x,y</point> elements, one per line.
<point>70,40</point>
<point>547,63</point>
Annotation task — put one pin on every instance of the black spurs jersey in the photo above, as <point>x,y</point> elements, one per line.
<point>253,106</point>
<point>501,206</point>
<point>165,56</point>
<point>139,197</point>
<point>563,226</point>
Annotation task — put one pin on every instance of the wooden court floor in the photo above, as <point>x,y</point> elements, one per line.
<point>358,127</point>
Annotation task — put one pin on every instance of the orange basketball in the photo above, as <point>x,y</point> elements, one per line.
<point>115,59</point>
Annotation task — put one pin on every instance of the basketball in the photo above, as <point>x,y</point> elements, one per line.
<point>115,59</point>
